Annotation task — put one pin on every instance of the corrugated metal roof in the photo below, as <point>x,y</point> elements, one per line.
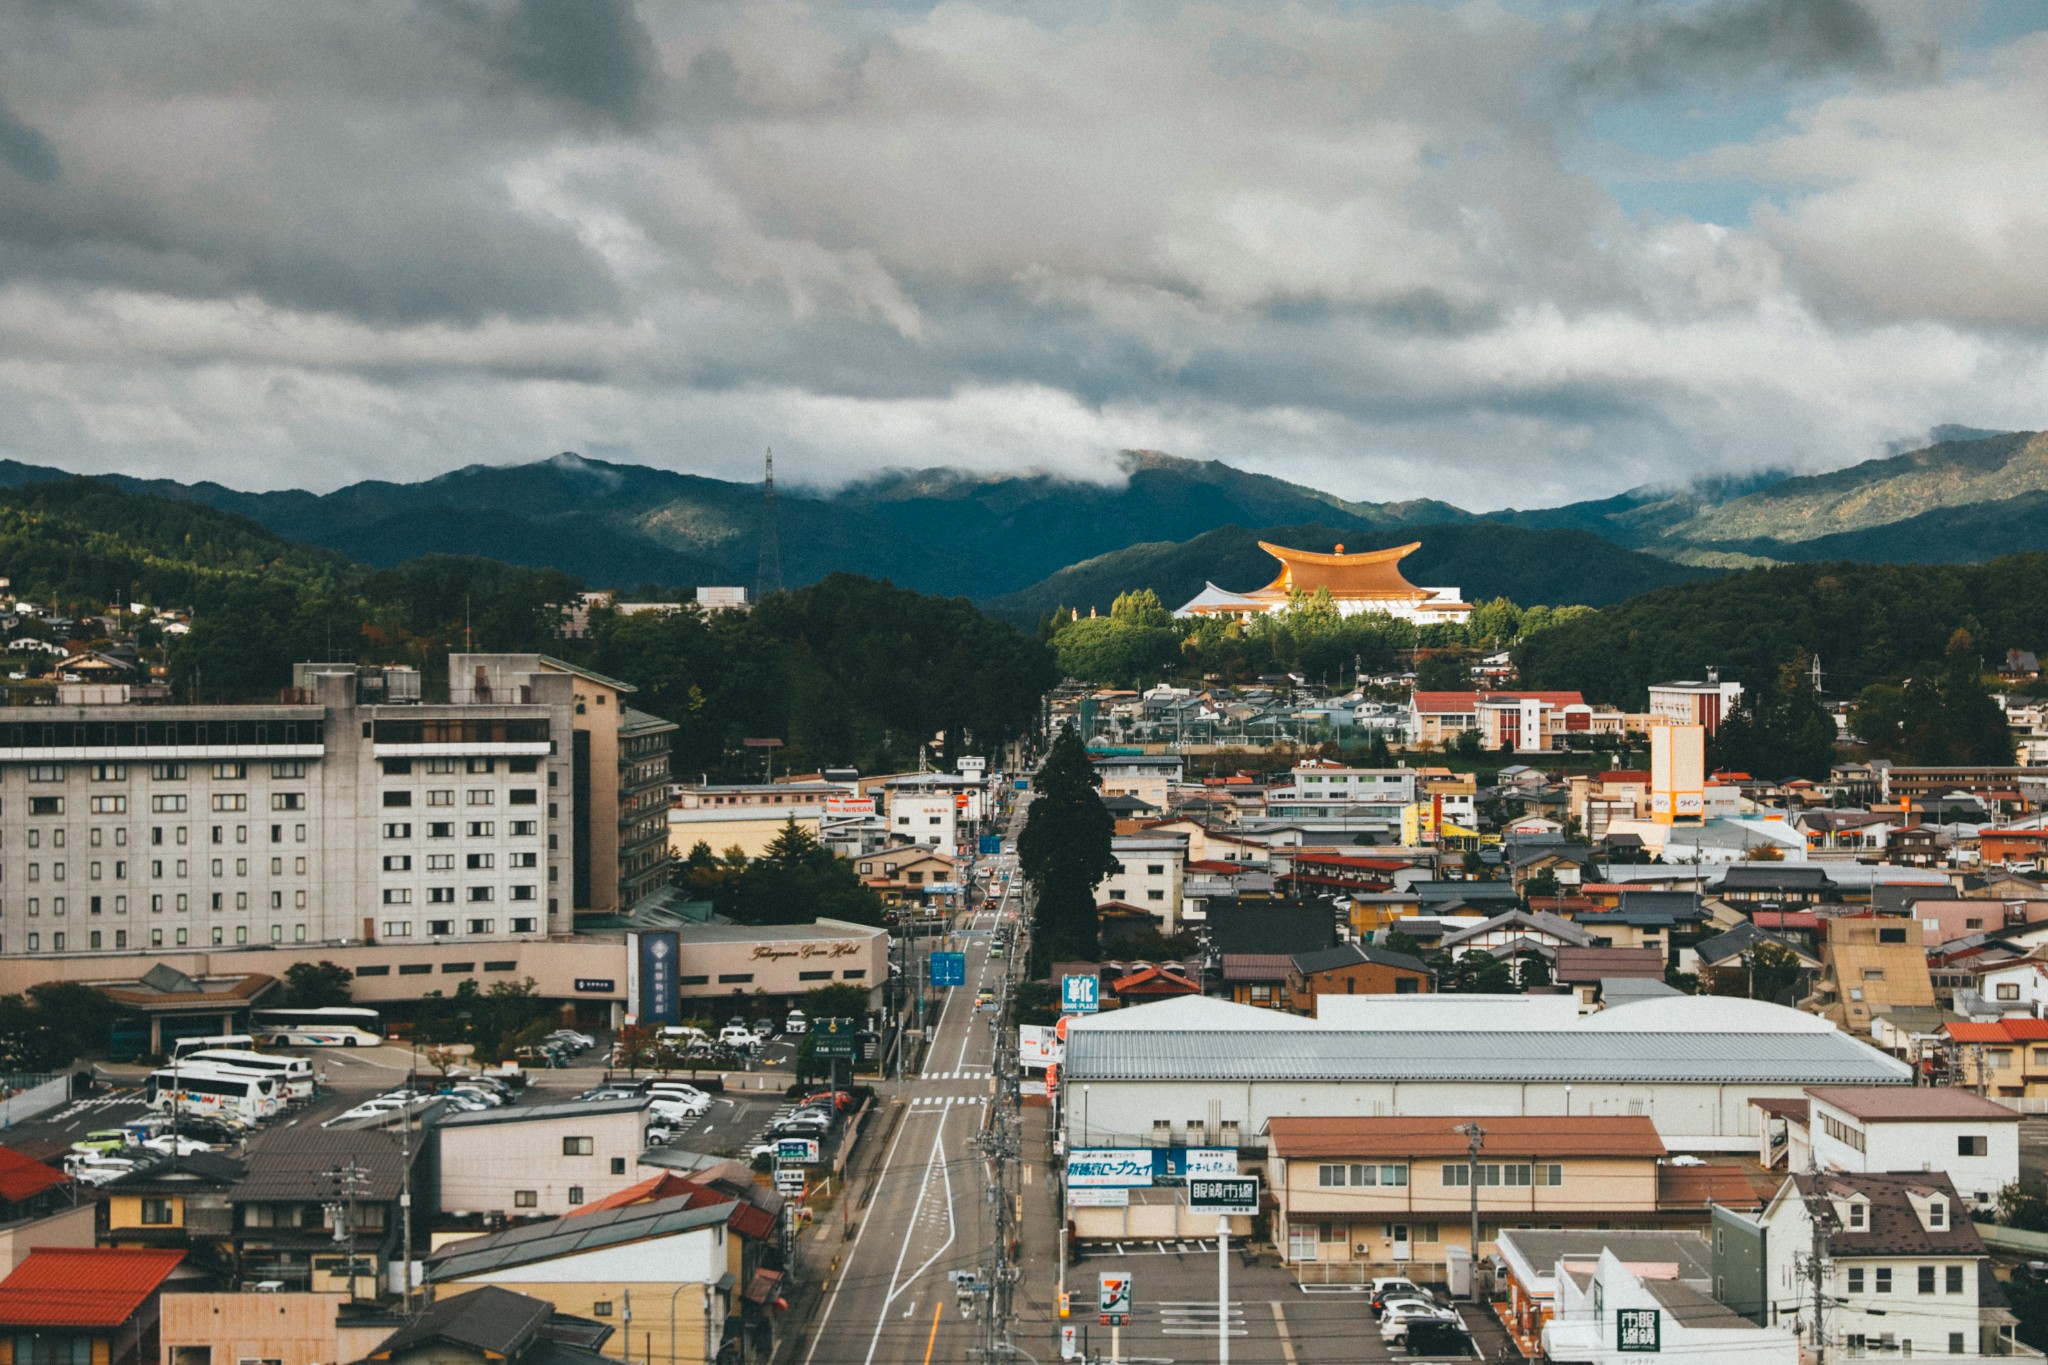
<point>1351,1055</point>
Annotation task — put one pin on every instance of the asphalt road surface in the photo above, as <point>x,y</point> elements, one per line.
<point>927,1214</point>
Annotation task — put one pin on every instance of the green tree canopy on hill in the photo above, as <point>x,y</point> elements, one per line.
<point>1942,715</point>
<point>1780,732</point>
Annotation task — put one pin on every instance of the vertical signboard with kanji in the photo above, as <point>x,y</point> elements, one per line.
<point>1639,1330</point>
<point>658,1004</point>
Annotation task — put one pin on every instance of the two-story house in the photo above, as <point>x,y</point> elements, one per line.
<point>184,1202</point>
<point>1870,965</point>
<point>1904,1262</point>
<point>1397,1191</point>
<point>1353,969</point>
<point>299,1180</point>
<point>1975,1141</point>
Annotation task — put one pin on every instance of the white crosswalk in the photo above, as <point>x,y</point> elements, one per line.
<point>946,1101</point>
<point>965,1073</point>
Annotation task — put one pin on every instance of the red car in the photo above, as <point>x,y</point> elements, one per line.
<point>841,1100</point>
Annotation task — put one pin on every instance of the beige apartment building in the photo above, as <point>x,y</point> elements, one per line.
<point>1390,1192</point>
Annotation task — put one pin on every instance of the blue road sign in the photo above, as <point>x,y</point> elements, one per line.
<point>1080,994</point>
<point>991,843</point>
<point>949,969</point>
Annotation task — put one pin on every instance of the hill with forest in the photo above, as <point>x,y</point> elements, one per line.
<point>1865,623</point>
<point>1484,559</point>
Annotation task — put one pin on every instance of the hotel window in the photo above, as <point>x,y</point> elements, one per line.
<point>233,772</point>
<point>398,831</point>
<point>483,926</point>
<point>441,796</point>
<point>481,796</point>
<point>483,893</point>
<point>397,928</point>
<point>482,829</point>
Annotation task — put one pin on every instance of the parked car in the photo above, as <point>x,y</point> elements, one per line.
<point>102,1140</point>
<point>796,1024</point>
<point>764,1029</point>
<point>582,1042</point>
<point>810,1124</point>
<point>676,1090</point>
<point>736,1034</point>
<point>1396,1287</point>
<point>1400,1314</point>
<point>177,1146</point>
<point>1437,1340</point>
<point>840,1100</point>
<point>679,1111</point>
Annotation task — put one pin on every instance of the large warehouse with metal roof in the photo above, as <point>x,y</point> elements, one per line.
<point>1199,1072</point>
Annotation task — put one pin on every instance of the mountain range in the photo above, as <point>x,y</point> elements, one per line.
<point>1025,543</point>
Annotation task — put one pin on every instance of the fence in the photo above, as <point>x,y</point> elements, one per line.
<point>30,1095</point>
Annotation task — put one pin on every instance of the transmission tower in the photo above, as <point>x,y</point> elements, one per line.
<point>768,574</point>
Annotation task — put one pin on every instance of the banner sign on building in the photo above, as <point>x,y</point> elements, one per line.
<point>1224,1196</point>
<point>1098,1199</point>
<point>1639,1329</point>
<point>1080,994</point>
<point>655,1003</point>
<point>1189,1162</point>
<point>1109,1166</point>
<point>1039,1047</point>
<point>849,805</point>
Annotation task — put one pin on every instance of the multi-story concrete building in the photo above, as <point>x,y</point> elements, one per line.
<point>347,812</point>
<point>1702,703</point>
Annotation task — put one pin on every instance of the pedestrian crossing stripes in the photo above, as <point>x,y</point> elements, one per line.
<point>965,1073</point>
<point>946,1101</point>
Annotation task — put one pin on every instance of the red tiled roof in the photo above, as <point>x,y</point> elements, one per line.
<point>1348,860</point>
<point>1153,980</point>
<point>1999,1031</point>
<point>22,1177</point>
<point>83,1286</point>
<point>1641,779</point>
<point>664,1186</point>
<point>1694,1187</point>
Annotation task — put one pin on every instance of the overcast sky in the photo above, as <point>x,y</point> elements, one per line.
<point>1506,252</point>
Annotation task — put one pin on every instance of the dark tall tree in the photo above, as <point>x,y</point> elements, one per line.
<point>1780,732</point>
<point>796,881</point>
<point>1064,853</point>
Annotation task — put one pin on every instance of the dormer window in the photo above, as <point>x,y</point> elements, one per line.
<point>1937,1215</point>
<point>1858,1216</point>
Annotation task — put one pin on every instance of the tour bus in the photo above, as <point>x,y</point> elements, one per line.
<point>328,1026</point>
<point>295,1072</point>
<point>244,1096</point>
<point>185,1047</point>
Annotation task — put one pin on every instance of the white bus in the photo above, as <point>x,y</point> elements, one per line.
<point>328,1026</point>
<point>244,1096</point>
<point>295,1072</point>
<point>185,1047</point>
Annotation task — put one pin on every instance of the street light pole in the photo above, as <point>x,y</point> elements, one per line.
<point>1477,1135</point>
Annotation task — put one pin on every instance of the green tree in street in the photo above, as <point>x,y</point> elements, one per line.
<point>1064,854</point>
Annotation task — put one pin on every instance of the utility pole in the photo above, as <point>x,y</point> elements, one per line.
<point>349,1182</point>
<point>1477,1136</point>
<point>1816,1265</point>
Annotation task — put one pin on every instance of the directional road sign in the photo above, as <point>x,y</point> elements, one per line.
<point>834,1038</point>
<point>949,969</point>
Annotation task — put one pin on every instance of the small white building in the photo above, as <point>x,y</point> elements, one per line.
<point>925,817</point>
<point>1149,777</point>
<point>1612,1312</point>
<point>539,1161</point>
<point>1910,1128</point>
<point>1150,875</point>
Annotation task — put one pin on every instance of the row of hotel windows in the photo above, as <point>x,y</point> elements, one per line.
<point>445,862</point>
<point>179,900</point>
<point>218,866</point>
<point>477,829</point>
<point>161,772</point>
<point>475,796</point>
<point>403,767</point>
<point>96,940</point>
<point>95,836</point>
<point>225,803</point>
<point>399,928</point>
<point>445,895</point>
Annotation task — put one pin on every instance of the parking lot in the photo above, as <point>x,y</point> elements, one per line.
<point>1272,1321</point>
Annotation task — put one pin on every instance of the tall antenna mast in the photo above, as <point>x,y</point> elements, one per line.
<point>768,574</point>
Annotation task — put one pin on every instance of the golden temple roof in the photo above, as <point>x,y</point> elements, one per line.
<point>1374,575</point>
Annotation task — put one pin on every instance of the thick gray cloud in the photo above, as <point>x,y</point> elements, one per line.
<point>1371,246</point>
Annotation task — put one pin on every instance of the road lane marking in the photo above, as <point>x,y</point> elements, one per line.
<point>888,1163</point>
<point>1280,1325</point>
<point>931,1340</point>
<point>897,1284</point>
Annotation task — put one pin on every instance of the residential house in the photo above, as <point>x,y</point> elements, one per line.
<point>277,1327</point>
<point>1908,1273</point>
<point>1586,969</point>
<point>1396,1192</point>
<point>1149,777</point>
<point>1517,932</point>
<point>1148,875</point>
<point>493,1326</point>
<point>1778,884</point>
<point>1569,865</point>
<point>295,1180</point>
<point>1262,979</point>
<point>673,1251</point>
<point>1898,1128</point>
<point>84,1305</point>
<point>2005,1058</point>
<point>1943,920</point>
<point>1155,981</point>
<point>39,1207</point>
<point>1354,969</point>
<point>186,1202</point>
<point>538,1161</point>
<point>1870,965</point>
<point>1736,951</point>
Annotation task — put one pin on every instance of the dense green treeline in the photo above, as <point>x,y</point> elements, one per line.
<point>1866,623</point>
<point>1140,642</point>
<point>846,671</point>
